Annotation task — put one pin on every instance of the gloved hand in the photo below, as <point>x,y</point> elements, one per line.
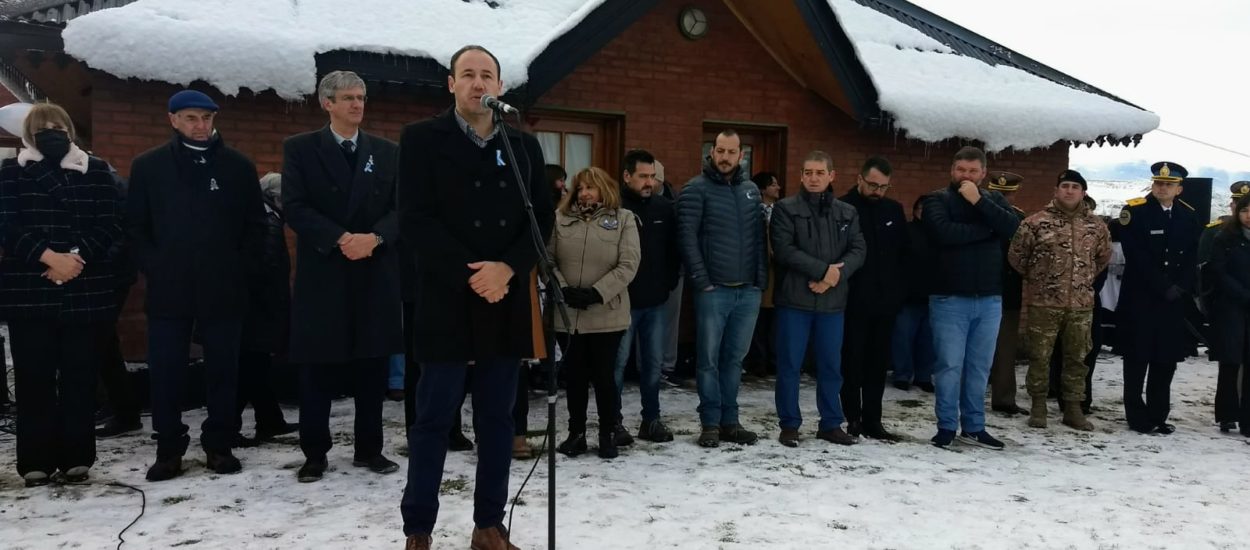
<point>581,298</point>
<point>1173,293</point>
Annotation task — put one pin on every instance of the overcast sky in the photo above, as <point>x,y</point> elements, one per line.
<point>1188,62</point>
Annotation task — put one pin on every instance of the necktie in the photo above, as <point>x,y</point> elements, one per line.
<point>348,146</point>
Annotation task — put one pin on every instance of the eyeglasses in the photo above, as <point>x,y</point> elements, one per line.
<point>874,186</point>
<point>361,98</point>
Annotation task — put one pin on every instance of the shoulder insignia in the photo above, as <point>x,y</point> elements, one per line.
<point>1137,201</point>
<point>1215,223</point>
<point>1186,204</point>
<point>1125,216</point>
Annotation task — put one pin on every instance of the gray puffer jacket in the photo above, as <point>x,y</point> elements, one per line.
<point>810,232</point>
<point>720,228</point>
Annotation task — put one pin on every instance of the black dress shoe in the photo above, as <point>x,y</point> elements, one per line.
<point>1141,428</point>
<point>1228,426</point>
<point>1012,409</point>
<point>222,463</point>
<point>854,428</point>
<point>836,436</point>
<point>165,469</point>
<point>878,432</point>
<point>622,437</point>
<point>1165,428</point>
<point>115,427</point>
<point>458,442</point>
<point>267,433</point>
<point>244,442</point>
<point>926,386</point>
<point>902,385</point>
<point>312,470</point>
<point>378,465</point>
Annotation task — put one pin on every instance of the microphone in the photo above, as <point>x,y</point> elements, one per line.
<point>491,102</point>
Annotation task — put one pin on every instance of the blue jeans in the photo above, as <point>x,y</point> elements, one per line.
<point>965,330</point>
<point>648,324</point>
<point>794,329</point>
<point>725,320</point>
<point>912,345</point>
<point>395,372</point>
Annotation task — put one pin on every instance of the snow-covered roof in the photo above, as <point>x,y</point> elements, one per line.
<point>934,93</point>
<point>259,45</point>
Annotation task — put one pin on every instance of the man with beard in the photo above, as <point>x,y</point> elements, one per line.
<point>876,296</point>
<point>968,226</point>
<point>719,214</point>
<point>656,277</point>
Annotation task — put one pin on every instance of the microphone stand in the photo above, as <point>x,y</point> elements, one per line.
<point>545,271</point>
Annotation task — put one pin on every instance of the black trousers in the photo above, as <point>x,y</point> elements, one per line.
<point>321,382</point>
<point>1156,376</point>
<point>169,344</point>
<point>118,388</point>
<point>590,359</point>
<point>865,360</point>
<point>256,388</point>
<point>1229,407</point>
<point>55,370</point>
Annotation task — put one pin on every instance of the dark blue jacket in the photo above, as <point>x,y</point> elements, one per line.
<point>720,228</point>
<point>969,241</point>
<point>1159,252</point>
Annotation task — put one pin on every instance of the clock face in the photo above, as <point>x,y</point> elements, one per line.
<point>693,23</point>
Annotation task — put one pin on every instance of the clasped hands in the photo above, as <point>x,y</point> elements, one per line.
<point>357,246</point>
<point>490,280</point>
<point>62,266</point>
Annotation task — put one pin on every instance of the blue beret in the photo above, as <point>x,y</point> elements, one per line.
<point>191,99</point>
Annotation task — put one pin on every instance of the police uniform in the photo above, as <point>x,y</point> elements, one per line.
<point>1220,346</point>
<point>1003,371</point>
<point>1160,251</point>
<point>1237,190</point>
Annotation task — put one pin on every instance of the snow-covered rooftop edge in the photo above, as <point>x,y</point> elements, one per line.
<point>935,94</point>
<point>272,44</point>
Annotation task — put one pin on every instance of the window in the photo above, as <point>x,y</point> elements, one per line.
<point>577,141</point>
<point>763,148</point>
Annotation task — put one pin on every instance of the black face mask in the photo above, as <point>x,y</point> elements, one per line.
<point>52,144</point>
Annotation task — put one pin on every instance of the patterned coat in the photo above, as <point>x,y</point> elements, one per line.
<point>1060,254</point>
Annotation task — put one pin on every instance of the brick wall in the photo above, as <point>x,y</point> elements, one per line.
<point>669,86</point>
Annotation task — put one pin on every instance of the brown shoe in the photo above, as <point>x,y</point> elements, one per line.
<point>837,436</point>
<point>418,542</point>
<point>789,438</point>
<point>521,448</point>
<point>491,538</point>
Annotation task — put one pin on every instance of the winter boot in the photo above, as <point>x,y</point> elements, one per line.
<point>1074,418</point>
<point>1037,414</point>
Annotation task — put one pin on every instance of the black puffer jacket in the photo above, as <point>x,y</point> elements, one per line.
<point>657,235</point>
<point>969,239</point>
<point>810,232</point>
<point>878,288</point>
<point>720,229</point>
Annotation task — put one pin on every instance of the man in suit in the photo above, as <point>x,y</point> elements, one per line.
<point>196,222</point>
<point>339,195</point>
<point>1159,233</point>
<point>461,210</point>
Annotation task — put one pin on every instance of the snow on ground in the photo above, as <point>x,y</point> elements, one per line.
<point>1053,488</point>
<point>235,44</point>
<point>936,94</point>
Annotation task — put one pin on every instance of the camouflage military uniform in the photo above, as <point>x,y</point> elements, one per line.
<point>1060,253</point>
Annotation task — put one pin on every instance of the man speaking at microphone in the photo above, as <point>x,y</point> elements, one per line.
<point>461,209</point>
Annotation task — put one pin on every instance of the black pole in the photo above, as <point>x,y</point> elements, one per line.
<point>557,299</point>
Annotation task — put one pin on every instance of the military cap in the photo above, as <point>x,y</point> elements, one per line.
<point>1004,181</point>
<point>1240,189</point>
<point>1168,172</point>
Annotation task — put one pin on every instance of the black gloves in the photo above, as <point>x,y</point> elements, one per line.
<point>581,298</point>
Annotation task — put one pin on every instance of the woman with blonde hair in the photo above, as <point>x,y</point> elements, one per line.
<point>595,249</point>
<point>59,213</point>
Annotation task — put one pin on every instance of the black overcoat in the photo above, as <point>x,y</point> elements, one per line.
<point>342,309</point>
<point>459,204</point>
<point>1160,251</point>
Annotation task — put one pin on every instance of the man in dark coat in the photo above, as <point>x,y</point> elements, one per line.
<point>656,277</point>
<point>461,209</point>
<point>1160,241</point>
<point>195,221</point>
<point>339,195</point>
<point>876,296</point>
<point>1003,370</point>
